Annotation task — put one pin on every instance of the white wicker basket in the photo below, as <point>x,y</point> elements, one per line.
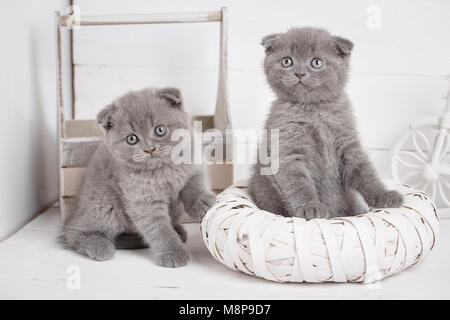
<point>364,248</point>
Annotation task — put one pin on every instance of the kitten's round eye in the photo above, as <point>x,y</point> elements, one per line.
<point>286,62</point>
<point>160,131</point>
<point>132,139</point>
<point>317,63</point>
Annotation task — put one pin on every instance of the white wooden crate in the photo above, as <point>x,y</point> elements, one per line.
<point>80,135</point>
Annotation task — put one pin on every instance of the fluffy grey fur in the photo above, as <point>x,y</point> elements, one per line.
<point>133,193</point>
<point>322,163</point>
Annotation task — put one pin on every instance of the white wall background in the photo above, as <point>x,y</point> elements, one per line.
<point>28,176</point>
<point>399,70</point>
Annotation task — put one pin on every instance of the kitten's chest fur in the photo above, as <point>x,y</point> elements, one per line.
<point>159,184</point>
<point>326,130</point>
<point>317,132</point>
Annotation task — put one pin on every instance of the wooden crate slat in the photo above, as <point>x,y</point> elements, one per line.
<point>207,121</point>
<point>149,18</point>
<point>90,128</point>
<point>72,180</point>
<point>82,128</point>
<point>76,152</point>
<point>220,175</point>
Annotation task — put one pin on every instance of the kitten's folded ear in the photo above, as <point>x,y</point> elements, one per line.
<point>269,42</point>
<point>104,117</point>
<point>172,95</point>
<point>343,46</point>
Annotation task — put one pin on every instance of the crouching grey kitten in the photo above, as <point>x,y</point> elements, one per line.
<point>133,193</point>
<point>321,161</point>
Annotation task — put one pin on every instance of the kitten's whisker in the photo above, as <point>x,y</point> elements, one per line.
<point>290,80</point>
<point>311,82</point>
<point>140,157</point>
<point>163,150</point>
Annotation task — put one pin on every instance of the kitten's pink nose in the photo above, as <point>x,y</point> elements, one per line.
<point>151,150</point>
<point>300,75</point>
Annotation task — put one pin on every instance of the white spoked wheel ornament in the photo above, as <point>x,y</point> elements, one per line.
<point>421,156</point>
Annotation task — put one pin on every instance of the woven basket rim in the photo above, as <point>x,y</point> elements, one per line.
<point>363,248</point>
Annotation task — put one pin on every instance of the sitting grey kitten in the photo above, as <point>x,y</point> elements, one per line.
<point>133,192</point>
<point>321,160</point>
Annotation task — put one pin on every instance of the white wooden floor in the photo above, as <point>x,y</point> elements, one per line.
<point>34,266</point>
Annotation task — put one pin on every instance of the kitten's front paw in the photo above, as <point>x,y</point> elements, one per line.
<point>312,210</point>
<point>99,249</point>
<point>173,259</point>
<point>203,203</point>
<point>386,199</point>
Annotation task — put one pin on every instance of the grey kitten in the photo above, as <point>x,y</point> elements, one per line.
<point>322,161</point>
<point>133,193</point>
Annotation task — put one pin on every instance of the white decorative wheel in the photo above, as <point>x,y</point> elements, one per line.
<point>421,156</point>
<point>364,248</point>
